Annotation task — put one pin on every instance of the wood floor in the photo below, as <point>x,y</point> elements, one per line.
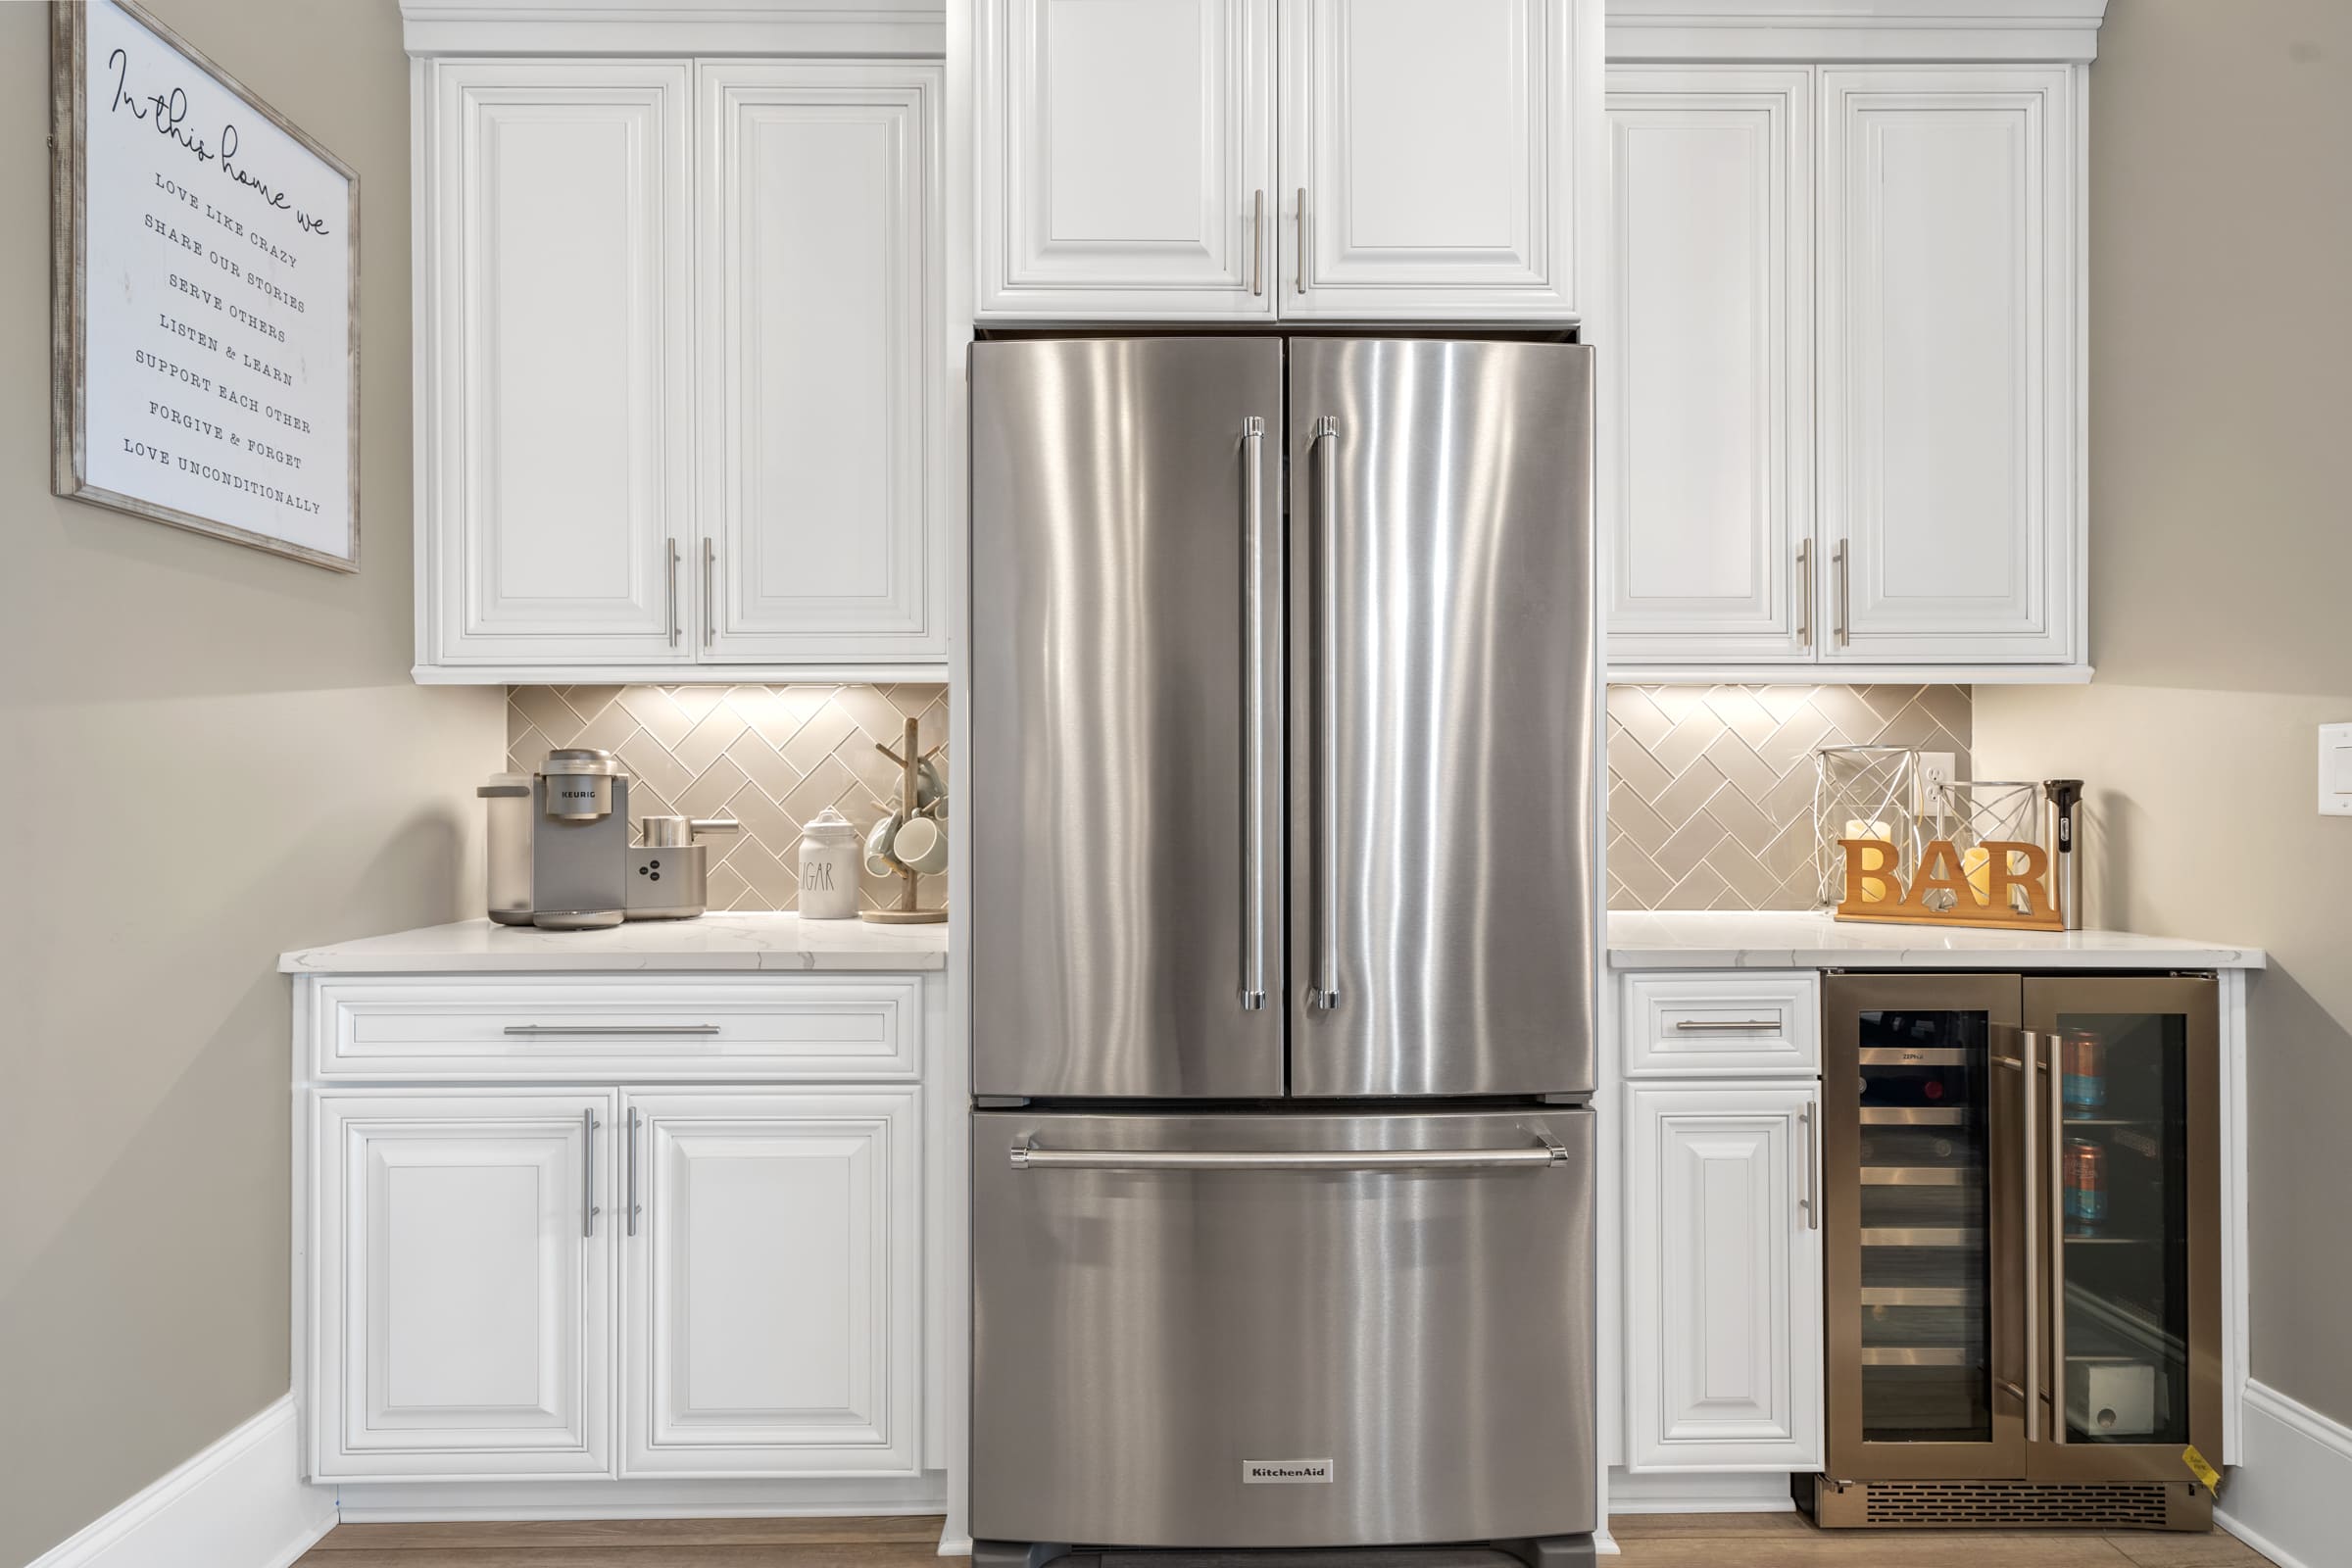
<point>1650,1540</point>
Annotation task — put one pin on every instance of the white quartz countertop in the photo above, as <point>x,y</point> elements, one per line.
<point>1768,939</point>
<point>732,942</point>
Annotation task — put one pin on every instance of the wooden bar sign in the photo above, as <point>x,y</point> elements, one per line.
<point>2002,884</point>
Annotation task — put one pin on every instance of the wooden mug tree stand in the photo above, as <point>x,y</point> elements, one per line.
<point>906,914</point>
<point>1873,892</point>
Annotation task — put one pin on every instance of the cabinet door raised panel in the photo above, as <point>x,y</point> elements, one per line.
<point>552,358</point>
<point>461,1309</point>
<point>1708,467</point>
<point>817,315</point>
<point>1722,1295</point>
<point>1949,343</point>
<point>1124,149</point>
<point>1432,141</point>
<point>772,1288</point>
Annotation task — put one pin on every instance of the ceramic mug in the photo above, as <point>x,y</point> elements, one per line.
<point>921,846</point>
<point>877,845</point>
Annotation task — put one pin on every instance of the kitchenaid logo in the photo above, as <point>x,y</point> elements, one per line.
<point>1286,1472</point>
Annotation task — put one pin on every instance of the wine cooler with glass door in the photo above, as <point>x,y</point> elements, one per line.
<point>2022,1235</point>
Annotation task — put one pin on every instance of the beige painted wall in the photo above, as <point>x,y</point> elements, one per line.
<point>207,754</point>
<point>2221,313</point>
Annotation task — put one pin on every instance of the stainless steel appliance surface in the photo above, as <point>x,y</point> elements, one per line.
<point>1135,724</point>
<point>1283,714</point>
<point>1285,1331</point>
<point>2023,1256</point>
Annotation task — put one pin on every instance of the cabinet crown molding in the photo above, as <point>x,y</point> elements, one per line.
<point>902,28</point>
<point>1829,32</point>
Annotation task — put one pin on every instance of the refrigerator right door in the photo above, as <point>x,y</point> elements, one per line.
<point>1441,717</point>
<point>2129,1297</point>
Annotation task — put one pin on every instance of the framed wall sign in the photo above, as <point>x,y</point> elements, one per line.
<point>205,354</point>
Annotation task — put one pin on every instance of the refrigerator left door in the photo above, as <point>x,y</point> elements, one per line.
<point>1126,719</point>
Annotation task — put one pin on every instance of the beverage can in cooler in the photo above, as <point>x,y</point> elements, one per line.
<point>2081,1062</point>
<point>2085,1170</point>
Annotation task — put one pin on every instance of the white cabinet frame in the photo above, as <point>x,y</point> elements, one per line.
<point>708,1319</point>
<point>1723,1278</point>
<point>542,555</point>
<point>1057,229</point>
<point>1707,416</point>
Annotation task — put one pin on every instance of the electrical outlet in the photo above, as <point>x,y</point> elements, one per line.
<point>1934,768</point>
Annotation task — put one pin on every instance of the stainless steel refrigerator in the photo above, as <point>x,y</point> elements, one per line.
<point>1282,720</point>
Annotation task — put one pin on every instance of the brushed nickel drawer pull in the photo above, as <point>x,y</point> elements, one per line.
<point>1727,1023</point>
<point>588,1208</point>
<point>535,1029</point>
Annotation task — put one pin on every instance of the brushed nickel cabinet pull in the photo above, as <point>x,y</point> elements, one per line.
<point>674,628</point>
<point>1727,1023</point>
<point>1805,594</point>
<point>1845,602</point>
<point>1810,1117</point>
<point>1302,239</point>
<point>710,601</point>
<point>634,1118</point>
<point>1257,243</point>
<point>588,1209</point>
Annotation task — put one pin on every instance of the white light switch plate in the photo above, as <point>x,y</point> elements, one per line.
<point>2335,770</point>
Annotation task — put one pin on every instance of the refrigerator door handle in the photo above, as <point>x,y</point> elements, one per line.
<point>1253,720</point>
<point>1324,444</point>
<point>1547,1151</point>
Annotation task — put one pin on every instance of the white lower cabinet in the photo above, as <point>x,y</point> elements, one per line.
<point>1723,1262</point>
<point>772,1317</point>
<point>462,1285</point>
<point>477,1254</point>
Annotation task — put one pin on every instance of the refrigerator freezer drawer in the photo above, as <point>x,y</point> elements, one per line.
<point>1292,1331</point>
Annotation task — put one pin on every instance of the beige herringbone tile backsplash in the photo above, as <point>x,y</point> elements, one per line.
<point>770,756</point>
<point>1711,788</point>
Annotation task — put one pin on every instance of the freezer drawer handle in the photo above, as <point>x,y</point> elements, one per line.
<point>1727,1023</point>
<point>1549,1152</point>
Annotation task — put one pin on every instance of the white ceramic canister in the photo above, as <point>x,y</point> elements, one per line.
<point>828,868</point>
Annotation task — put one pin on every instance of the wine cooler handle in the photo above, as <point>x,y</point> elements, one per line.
<point>2023,1066</point>
<point>2053,1071</point>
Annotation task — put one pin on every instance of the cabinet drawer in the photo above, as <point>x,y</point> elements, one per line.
<point>1703,1023</point>
<point>457,1028</point>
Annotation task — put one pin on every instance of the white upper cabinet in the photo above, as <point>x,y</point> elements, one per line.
<point>1428,158</point>
<point>1949,415</point>
<point>774,1284</point>
<point>552,355</point>
<point>817,336</point>
<point>681,369</point>
<point>1129,167</point>
<point>1134,162</point>
<point>1707,401</point>
<point>1843,408</point>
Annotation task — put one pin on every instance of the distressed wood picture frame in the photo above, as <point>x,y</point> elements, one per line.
<point>246,465</point>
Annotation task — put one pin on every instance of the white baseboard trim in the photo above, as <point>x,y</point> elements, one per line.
<point>240,1504</point>
<point>2286,1499</point>
<point>1711,1492</point>
<point>642,1497</point>
<point>955,1546</point>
